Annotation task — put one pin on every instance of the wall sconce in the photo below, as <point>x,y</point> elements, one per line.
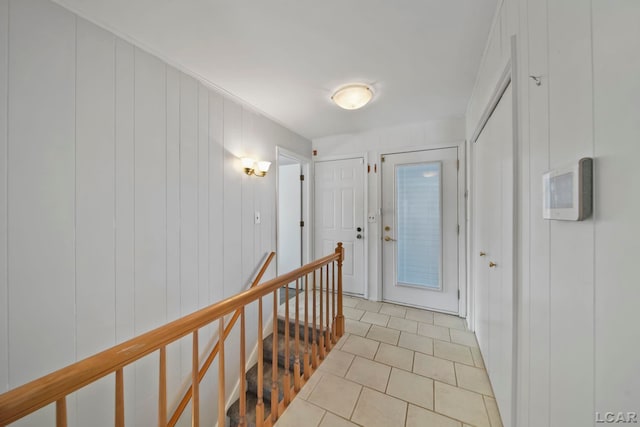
<point>251,167</point>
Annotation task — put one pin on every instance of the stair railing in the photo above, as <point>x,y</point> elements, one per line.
<point>55,387</point>
<point>186,398</point>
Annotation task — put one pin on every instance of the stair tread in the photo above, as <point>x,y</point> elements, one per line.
<point>268,349</point>
<point>252,380</point>
<point>252,374</point>
<point>252,400</point>
<point>292,327</point>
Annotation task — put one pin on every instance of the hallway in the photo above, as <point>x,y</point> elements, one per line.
<point>397,366</point>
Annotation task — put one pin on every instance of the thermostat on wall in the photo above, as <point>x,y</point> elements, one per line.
<point>568,192</point>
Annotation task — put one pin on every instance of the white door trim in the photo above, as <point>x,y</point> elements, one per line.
<point>307,214</point>
<point>462,237</point>
<point>365,209</point>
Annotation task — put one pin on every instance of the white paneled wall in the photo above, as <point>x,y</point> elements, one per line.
<point>577,288</point>
<point>616,102</point>
<point>122,206</point>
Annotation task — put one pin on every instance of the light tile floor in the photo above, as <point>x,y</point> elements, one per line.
<point>397,366</point>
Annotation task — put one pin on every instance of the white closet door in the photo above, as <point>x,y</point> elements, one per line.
<point>493,251</point>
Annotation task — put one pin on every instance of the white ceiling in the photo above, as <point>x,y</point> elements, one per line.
<point>286,57</point>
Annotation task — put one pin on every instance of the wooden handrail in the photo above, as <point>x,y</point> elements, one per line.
<point>216,348</point>
<point>36,394</point>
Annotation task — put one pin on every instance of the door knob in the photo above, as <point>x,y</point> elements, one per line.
<point>389,239</point>
<point>482,253</point>
<point>492,264</point>
<point>359,236</point>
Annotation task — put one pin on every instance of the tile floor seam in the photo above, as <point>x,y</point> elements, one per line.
<point>357,400</point>
<point>484,402</point>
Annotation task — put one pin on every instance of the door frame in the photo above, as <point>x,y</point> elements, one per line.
<point>365,208</point>
<point>462,240</point>
<point>307,200</point>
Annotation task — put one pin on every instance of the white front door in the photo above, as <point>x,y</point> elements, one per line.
<point>420,229</point>
<point>339,216</point>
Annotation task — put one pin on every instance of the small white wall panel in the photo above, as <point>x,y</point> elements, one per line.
<point>124,210</point>
<point>95,189</point>
<point>188,207</point>
<point>41,196</point>
<point>95,197</point>
<point>150,190</point>
<point>538,406</point>
<point>4,289</point>
<point>150,220</point>
<point>41,189</point>
<point>571,244</point>
<point>249,185</point>
<point>616,43</point>
<point>232,198</point>
<point>124,175</point>
<point>202,168</point>
<point>174,357</point>
<point>216,192</point>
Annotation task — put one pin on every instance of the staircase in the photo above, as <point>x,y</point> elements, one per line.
<point>322,284</point>
<point>252,374</point>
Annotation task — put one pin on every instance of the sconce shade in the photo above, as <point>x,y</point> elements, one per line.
<point>247,162</point>
<point>264,166</point>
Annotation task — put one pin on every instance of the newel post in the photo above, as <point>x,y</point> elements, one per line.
<point>340,317</point>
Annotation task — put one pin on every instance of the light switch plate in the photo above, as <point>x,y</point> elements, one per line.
<point>372,218</point>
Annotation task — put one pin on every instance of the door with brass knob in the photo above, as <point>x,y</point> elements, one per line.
<point>492,199</point>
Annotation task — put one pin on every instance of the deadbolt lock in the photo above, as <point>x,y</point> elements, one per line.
<point>387,228</point>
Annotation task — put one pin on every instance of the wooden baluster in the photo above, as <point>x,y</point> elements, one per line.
<point>195,384</point>
<point>286,379</point>
<point>333,303</point>
<point>327,331</point>
<point>321,321</point>
<point>119,398</point>
<point>314,338</point>
<point>274,363</point>
<point>296,363</point>
<point>307,365</point>
<point>260,404</point>
<point>340,317</point>
<point>162,389</point>
<point>221,385</point>
<point>61,412</point>
<point>243,393</point>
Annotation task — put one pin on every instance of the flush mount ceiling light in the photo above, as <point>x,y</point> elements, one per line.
<point>352,97</point>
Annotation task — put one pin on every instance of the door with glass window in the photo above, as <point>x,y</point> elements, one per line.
<point>420,229</point>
